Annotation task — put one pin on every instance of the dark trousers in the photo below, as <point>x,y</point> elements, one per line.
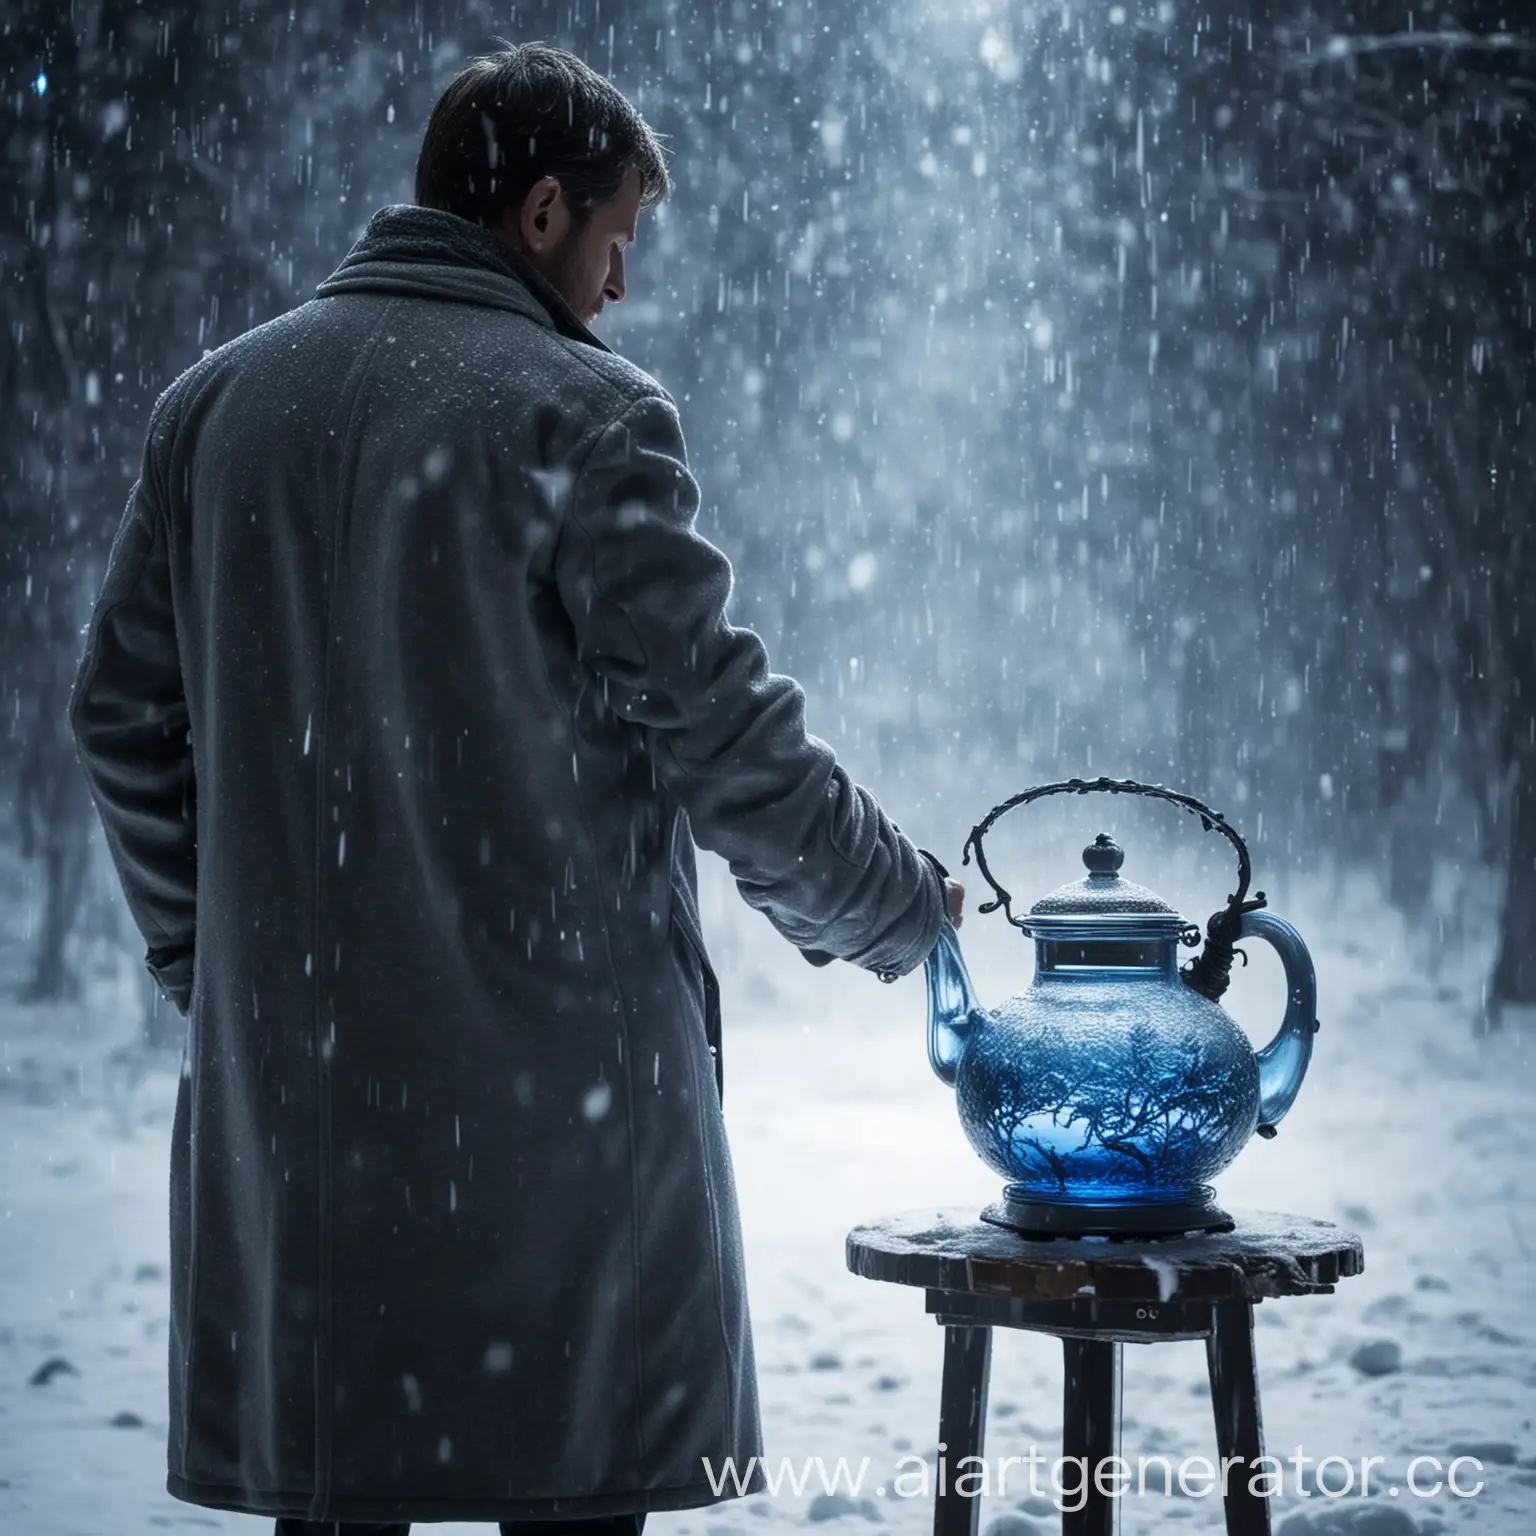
<point>606,1525</point>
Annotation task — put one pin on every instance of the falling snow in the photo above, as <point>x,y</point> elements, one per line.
<point>1076,388</point>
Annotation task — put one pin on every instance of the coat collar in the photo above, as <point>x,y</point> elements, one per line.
<point>431,254</point>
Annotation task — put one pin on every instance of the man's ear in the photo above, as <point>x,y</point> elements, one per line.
<point>544,216</point>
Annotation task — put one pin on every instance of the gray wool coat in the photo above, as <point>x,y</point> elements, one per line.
<point>408,692</point>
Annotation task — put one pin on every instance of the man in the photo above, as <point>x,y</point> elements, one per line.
<point>407,695</point>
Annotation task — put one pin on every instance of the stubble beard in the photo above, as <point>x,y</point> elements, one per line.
<point>563,271</point>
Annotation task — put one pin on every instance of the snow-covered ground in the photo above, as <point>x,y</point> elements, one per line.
<point>1410,1130</point>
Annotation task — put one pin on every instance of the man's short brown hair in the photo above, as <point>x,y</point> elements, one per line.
<point>510,118</point>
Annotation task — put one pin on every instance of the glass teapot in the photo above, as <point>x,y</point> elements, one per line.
<point>1110,1091</point>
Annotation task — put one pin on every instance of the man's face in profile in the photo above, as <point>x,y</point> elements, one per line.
<point>584,261</point>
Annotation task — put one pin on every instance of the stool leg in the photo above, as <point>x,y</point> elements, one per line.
<point>962,1425</point>
<point>1235,1398</point>
<point>1091,1431</point>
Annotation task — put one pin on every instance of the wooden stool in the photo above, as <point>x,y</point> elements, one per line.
<point>1096,1294</point>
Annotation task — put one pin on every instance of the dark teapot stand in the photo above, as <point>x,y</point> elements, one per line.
<point>1041,1218</point>
<point>1095,1297</point>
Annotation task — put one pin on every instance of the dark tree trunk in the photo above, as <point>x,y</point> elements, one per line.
<point>1514,972</point>
<point>56,818</point>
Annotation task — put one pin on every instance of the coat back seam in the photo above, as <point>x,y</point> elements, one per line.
<point>324,1344</point>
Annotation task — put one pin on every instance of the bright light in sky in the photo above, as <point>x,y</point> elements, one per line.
<point>40,85</point>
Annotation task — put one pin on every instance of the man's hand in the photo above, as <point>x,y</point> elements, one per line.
<point>954,892</point>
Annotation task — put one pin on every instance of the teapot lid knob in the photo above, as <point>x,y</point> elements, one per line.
<point>1104,856</point>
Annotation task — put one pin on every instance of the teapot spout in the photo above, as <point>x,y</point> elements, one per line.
<point>953,1009</point>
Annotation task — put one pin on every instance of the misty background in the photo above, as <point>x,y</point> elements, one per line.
<point>1139,388</point>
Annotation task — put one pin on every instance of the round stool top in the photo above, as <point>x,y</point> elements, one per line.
<point>1266,1254</point>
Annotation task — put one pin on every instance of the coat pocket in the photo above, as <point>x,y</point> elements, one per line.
<point>692,947</point>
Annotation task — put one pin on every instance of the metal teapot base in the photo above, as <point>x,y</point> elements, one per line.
<point>1046,1218</point>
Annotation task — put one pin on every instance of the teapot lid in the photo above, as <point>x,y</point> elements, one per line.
<point>1102,896</point>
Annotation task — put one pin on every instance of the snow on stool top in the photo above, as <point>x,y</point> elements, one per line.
<point>1265,1254</point>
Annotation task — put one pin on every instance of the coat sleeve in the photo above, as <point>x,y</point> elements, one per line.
<point>646,595</point>
<point>128,712</point>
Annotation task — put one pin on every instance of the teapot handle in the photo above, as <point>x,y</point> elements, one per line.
<point>1283,1062</point>
<point>1209,972</point>
<point>1212,821</point>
